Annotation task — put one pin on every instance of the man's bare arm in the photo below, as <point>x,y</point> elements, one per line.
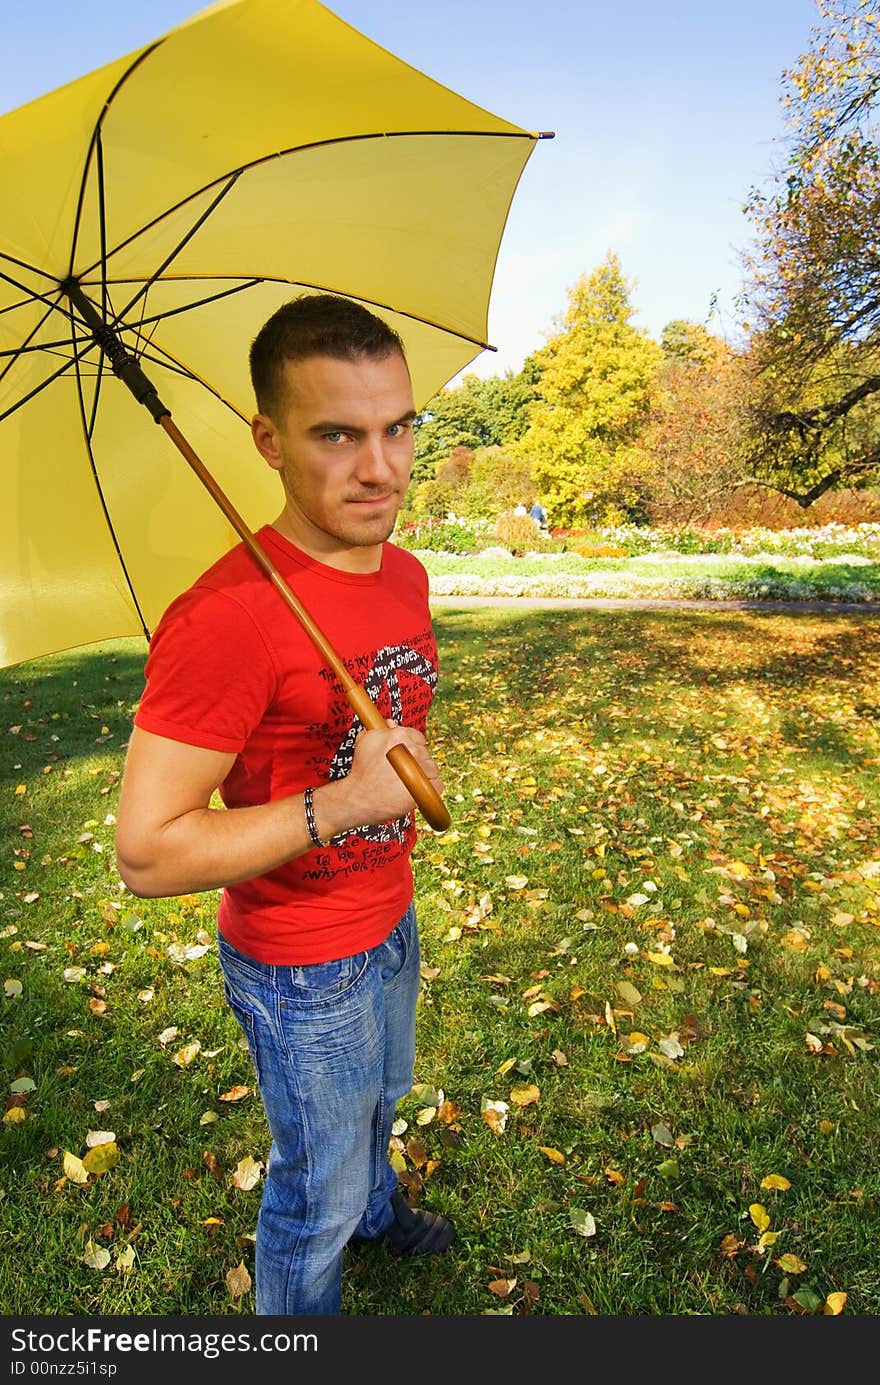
<point>170,841</point>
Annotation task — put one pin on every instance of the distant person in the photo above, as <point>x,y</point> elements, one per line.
<point>520,510</point>
<point>539,515</point>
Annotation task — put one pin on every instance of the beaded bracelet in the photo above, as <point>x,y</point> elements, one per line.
<point>310,818</point>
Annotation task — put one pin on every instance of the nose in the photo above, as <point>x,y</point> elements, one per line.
<point>374,467</point>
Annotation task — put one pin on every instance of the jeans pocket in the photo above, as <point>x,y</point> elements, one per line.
<point>247,1023</point>
<point>319,983</point>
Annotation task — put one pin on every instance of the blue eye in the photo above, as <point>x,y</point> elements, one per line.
<point>334,436</point>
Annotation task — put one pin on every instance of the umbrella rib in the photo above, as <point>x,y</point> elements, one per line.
<point>165,358</point>
<point>68,365</point>
<point>24,346</point>
<point>300,149</point>
<point>254,282</point>
<point>96,134</point>
<point>87,438</point>
<point>233,179</point>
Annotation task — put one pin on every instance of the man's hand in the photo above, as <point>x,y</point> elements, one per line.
<point>372,791</point>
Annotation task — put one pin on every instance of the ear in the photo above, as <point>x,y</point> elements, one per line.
<point>267,441</point>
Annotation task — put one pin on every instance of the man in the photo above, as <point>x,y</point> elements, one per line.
<point>317,933</point>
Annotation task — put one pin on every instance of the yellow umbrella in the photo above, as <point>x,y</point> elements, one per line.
<point>156,211</point>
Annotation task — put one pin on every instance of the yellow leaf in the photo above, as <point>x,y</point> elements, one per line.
<point>74,1168</point>
<point>235,1093</point>
<point>184,1056</point>
<point>14,1115</point>
<point>739,870</point>
<point>554,1155</point>
<point>827,1127</point>
<point>21,788</point>
<point>102,1158</point>
<point>525,1096</point>
<point>538,1007</point>
<point>397,1161</point>
<point>609,1017</point>
<point>637,1042</point>
<point>125,1259</point>
<point>615,1176</point>
<point>794,939</point>
<point>768,1238</point>
<point>246,1174</point>
<point>834,1304</point>
<point>759,1216</point>
<point>776,1180</point>
<point>791,1264</point>
<point>238,1281</point>
<point>660,959</point>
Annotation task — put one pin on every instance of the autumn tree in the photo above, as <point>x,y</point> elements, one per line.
<point>476,413</point>
<point>697,435</point>
<point>814,294</point>
<point>594,398</point>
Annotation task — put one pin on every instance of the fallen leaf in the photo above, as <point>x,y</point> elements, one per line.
<point>74,1168</point>
<point>96,1257</point>
<point>791,1264</point>
<point>246,1174</point>
<point>184,1056</point>
<point>834,1304</point>
<point>554,1155</point>
<point>661,1134</point>
<point>494,1113</point>
<point>237,1093</point>
<point>238,1281</point>
<point>502,1288</point>
<point>99,1137</point>
<point>525,1096</point>
<point>759,1216</point>
<point>775,1180</point>
<point>582,1221</point>
<point>102,1158</point>
<point>125,1259</point>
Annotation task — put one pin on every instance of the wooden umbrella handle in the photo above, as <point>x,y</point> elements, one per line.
<point>427,799</point>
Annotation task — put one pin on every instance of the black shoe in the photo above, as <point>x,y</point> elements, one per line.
<point>417,1232</point>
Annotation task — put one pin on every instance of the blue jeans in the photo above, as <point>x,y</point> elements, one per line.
<point>333,1047</point>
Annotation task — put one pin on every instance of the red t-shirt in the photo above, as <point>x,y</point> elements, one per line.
<point>230,668</point>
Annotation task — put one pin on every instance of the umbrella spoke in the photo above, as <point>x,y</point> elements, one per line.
<point>233,179</point>
<point>87,438</point>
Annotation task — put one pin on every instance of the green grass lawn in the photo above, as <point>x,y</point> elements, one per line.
<point>648,1043</point>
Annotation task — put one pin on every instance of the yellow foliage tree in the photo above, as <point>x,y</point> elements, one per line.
<point>598,377</point>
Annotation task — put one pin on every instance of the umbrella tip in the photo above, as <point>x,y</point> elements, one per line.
<point>546,134</point>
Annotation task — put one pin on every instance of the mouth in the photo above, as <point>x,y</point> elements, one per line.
<point>370,501</point>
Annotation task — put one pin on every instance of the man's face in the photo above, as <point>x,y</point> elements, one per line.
<point>344,447</point>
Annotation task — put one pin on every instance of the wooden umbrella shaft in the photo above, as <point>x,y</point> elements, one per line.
<point>429,802</point>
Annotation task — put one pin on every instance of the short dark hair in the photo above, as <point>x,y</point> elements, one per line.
<point>315,324</point>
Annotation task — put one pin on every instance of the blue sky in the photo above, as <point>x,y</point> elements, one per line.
<point>666,113</point>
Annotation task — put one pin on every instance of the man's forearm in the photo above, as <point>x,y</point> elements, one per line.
<point>208,848</point>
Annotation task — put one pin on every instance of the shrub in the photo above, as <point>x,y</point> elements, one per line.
<point>439,535</point>
<point>518,533</point>
<point>599,550</point>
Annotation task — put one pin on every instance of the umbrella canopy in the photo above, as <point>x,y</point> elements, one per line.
<point>262,149</point>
